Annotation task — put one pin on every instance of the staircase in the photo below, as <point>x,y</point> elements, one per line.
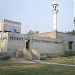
<point>27,54</point>
<point>31,55</point>
<point>35,55</point>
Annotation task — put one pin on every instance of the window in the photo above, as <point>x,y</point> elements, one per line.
<point>16,38</point>
<point>4,38</point>
<point>55,7</point>
<point>70,45</point>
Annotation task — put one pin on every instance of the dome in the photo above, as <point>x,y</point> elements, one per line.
<point>14,30</point>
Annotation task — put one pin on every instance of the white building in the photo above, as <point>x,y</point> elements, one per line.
<point>11,39</point>
<point>48,44</point>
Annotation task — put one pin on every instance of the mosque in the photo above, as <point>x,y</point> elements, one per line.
<point>33,47</point>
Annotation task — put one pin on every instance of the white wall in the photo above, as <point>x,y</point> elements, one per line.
<point>3,42</point>
<point>47,45</point>
<point>1,25</point>
<point>8,25</point>
<point>16,42</point>
<point>64,36</point>
<point>73,46</point>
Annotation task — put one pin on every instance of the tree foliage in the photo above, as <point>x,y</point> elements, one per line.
<point>71,32</point>
<point>30,32</point>
<point>74,21</point>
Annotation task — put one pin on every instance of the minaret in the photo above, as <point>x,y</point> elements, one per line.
<point>54,12</point>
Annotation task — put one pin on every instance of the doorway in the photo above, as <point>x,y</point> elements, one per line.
<point>28,44</point>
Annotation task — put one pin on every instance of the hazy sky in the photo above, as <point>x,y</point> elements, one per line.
<point>37,15</point>
<point>74,8</point>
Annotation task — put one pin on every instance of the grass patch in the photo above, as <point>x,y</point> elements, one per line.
<point>37,69</point>
<point>63,60</point>
<point>7,68</point>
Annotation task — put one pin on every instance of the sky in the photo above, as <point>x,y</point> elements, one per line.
<point>36,14</point>
<point>74,8</point>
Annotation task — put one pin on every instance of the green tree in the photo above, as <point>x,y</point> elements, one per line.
<point>71,32</point>
<point>36,32</point>
<point>32,32</point>
<point>74,21</point>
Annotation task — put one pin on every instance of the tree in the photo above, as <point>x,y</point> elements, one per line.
<point>32,32</point>
<point>74,21</point>
<point>71,32</point>
<point>36,32</point>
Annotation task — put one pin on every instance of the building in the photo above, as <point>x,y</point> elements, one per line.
<point>11,39</point>
<point>33,47</point>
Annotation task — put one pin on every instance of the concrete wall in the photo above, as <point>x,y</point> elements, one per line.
<point>16,43</point>
<point>1,25</point>
<point>48,34</point>
<point>8,25</point>
<point>3,42</point>
<point>49,46</point>
<point>66,38</point>
<point>73,46</point>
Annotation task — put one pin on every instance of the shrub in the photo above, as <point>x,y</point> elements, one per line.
<point>43,58</point>
<point>5,58</point>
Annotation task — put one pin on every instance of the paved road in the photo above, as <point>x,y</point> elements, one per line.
<point>56,63</point>
<point>43,62</point>
<point>50,63</point>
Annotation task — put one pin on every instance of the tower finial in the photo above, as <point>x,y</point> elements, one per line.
<point>54,2</point>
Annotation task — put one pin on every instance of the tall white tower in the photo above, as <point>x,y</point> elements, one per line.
<point>54,12</point>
